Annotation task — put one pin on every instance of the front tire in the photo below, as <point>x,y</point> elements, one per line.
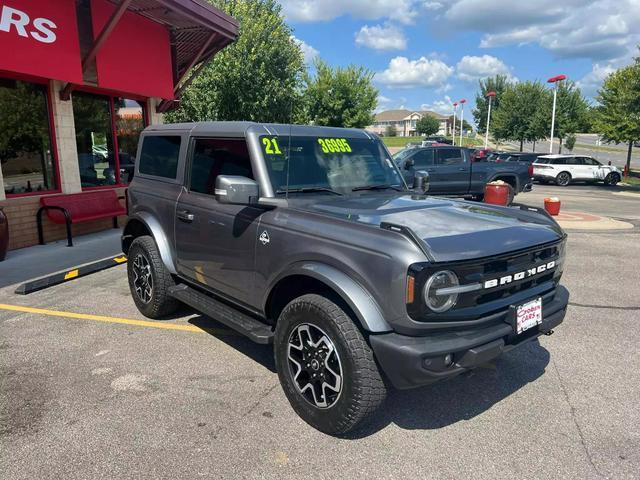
<point>612,179</point>
<point>149,279</point>
<point>325,366</point>
<point>563,179</point>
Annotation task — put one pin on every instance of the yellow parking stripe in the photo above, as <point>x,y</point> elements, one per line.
<point>120,259</point>
<point>124,321</point>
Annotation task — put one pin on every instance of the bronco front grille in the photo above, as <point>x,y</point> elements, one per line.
<point>485,301</point>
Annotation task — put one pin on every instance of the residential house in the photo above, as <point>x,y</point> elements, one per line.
<point>405,122</point>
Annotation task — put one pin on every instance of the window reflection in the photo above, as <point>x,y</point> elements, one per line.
<point>92,117</point>
<point>129,123</point>
<point>26,158</point>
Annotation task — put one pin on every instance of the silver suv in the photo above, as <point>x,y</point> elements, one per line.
<point>309,239</point>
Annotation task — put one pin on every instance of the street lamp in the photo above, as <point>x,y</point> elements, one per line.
<point>462,102</point>
<point>555,81</point>
<point>453,133</point>
<point>490,95</point>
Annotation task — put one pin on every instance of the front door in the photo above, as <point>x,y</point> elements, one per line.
<point>216,242</point>
<point>450,173</point>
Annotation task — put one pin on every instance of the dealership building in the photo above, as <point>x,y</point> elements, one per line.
<point>79,81</point>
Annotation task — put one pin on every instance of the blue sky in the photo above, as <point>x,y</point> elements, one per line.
<point>428,54</point>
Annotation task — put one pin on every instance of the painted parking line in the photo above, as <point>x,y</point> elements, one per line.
<point>118,320</point>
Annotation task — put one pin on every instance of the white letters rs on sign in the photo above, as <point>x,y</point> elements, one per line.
<point>42,29</point>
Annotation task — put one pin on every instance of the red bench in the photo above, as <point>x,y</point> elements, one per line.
<point>78,208</point>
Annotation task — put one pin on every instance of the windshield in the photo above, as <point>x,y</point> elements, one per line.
<point>327,164</point>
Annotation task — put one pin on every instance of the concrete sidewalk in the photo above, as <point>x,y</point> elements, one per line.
<point>40,260</point>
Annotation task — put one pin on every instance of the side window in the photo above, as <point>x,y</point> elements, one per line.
<point>217,156</point>
<point>449,156</point>
<point>159,155</point>
<point>560,161</point>
<point>422,158</point>
<point>591,161</point>
<point>577,161</point>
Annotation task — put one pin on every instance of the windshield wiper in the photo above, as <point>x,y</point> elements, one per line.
<point>381,186</point>
<point>308,190</point>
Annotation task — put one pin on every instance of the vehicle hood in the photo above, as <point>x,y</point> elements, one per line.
<point>449,230</point>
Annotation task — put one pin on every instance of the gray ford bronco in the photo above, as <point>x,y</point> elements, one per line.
<point>309,239</point>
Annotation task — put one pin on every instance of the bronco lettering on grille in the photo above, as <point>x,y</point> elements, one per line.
<point>530,272</point>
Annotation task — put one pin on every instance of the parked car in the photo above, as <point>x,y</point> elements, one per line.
<point>564,169</point>
<point>525,157</point>
<point>451,171</point>
<point>308,239</point>
<point>438,139</point>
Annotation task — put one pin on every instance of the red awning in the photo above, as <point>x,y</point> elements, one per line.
<point>149,47</point>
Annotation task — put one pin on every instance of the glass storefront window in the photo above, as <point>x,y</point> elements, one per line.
<point>26,156</point>
<point>94,139</point>
<point>130,121</point>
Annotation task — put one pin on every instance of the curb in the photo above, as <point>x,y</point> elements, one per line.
<point>68,275</point>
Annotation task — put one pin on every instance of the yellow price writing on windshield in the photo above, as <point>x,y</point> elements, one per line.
<point>271,146</point>
<point>334,145</point>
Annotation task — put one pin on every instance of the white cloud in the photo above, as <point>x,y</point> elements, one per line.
<point>386,103</point>
<point>423,72</point>
<point>308,51</point>
<point>473,68</point>
<point>592,81</point>
<point>432,6</point>
<point>402,11</point>
<point>381,37</point>
<point>599,30</point>
<point>443,107</point>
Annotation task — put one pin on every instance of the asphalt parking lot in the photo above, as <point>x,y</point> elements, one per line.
<point>90,389</point>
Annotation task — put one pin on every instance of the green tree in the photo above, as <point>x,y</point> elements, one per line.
<point>256,78</point>
<point>516,117</point>
<point>428,125</point>
<point>496,84</point>
<point>390,131</point>
<point>339,97</point>
<point>570,141</point>
<point>617,117</point>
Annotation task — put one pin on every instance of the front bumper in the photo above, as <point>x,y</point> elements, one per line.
<point>415,361</point>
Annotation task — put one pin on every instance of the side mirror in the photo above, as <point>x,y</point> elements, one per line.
<point>421,181</point>
<point>236,190</point>
<point>408,164</point>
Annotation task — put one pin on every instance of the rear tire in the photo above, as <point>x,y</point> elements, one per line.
<point>563,179</point>
<point>314,336</point>
<point>149,279</point>
<point>612,179</point>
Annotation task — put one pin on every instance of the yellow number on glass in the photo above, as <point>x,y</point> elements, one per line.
<point>267,146</point>
<point>323,145</point>
<point>345,144</point>
<point>271,146</point>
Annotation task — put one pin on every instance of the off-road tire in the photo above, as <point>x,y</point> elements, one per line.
<point>363,389</point>
<point>612,179</point>
<point>563,179</point>
<point>160,303</point>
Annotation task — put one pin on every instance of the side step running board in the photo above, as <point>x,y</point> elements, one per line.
<point>254,329</point>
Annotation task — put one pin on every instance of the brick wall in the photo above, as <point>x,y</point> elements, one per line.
<point>23,230</point>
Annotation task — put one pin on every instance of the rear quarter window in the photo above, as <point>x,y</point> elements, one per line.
<point>159,155</point>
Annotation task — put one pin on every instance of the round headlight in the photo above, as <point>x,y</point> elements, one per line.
<point>435,299</point>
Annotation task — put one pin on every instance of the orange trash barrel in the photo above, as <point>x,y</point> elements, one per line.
<point>552,205</point>
<point>496,193</point>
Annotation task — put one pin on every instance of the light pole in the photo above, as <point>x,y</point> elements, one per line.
<point>486,133</point>
<point>555,81</point>
<point>462,102</point>
<point>453,127</point>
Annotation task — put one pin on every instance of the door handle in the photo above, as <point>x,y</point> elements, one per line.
<point>462,169</point>
<point>185,216</point>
